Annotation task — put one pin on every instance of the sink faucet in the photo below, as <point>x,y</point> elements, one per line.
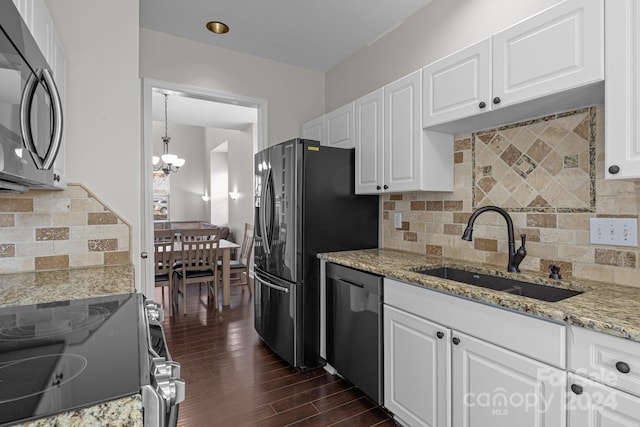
<point>515,257</point>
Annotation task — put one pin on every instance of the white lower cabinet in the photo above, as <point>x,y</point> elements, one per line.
<point>591,404</point>
<point>496,387</point>
<point>417,369</point>
<point>437,374</point>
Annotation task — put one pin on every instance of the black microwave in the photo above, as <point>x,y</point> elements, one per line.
<point>30,108</point>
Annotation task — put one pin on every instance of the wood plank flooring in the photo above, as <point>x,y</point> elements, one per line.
<point>233,379</point>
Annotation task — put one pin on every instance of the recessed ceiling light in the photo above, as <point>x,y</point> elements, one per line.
<point>217,27</point>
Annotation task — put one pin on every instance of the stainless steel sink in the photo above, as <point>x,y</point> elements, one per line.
<point>516,287</point>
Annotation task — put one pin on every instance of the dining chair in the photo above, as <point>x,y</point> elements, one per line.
<point>240,267</point>
<point>163,241</point>
<point>198,263</point>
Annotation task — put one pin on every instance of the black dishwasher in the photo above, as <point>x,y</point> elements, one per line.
<point>354,327</point>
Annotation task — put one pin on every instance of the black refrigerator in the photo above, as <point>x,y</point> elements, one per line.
<point>305,204</point>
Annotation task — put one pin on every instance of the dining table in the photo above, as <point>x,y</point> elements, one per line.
<point>225,247</point>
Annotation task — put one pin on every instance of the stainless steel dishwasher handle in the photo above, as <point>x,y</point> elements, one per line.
<point>271,285</point>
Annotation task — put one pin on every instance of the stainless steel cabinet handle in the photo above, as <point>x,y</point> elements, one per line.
<point>271,285</point>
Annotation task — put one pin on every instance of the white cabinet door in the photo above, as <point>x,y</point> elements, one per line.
<point>314,129</point>
<point>557,49</point>
<point>416,369</point>
<point>339,127</point>
<point>25,7</point>
<point>499,388</point>
<point>369,141</point>
<point>402,130</point>
<point>458,85</point>
<point>622,96</point>
<point>590,404</point>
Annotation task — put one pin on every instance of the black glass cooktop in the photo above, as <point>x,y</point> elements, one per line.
<point>65,355</point>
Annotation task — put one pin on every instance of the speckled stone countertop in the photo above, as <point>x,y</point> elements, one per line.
<point>77,283</point>
<point>61,285</point>
<point>603,307</point>
<point>123,412</point>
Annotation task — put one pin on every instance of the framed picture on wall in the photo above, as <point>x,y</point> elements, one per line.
<point>160,196</point>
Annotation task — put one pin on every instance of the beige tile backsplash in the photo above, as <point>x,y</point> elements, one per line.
<point>548,173</point>
<point>51,230</point>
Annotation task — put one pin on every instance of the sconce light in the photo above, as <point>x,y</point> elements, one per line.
<point>205,198</point>
<point>234,195</point>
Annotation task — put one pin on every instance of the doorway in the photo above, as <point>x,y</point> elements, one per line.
<point>242,201</point>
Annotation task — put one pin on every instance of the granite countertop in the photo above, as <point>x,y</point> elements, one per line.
<point>126,411</point>
<point>61,285</point>
<point>603,307</point>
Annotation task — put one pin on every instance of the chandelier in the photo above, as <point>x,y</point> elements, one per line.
<point>167,163</point>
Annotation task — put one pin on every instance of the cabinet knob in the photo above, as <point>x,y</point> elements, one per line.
<point>497,100</point>
<point>614,169</point>
<point>440,334</point>
<point>623,367</point>
<point>482,104</point>
<point>577,389</point>
<point>456,340</point>
<point>386,187</point>
<point>378,187</point>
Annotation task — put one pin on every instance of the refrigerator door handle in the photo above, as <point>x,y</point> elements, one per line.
<point>271,285</point>
<point>265,210</point>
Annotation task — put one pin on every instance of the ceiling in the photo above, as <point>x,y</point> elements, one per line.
<point>197,112</point>
<point>314,34</point>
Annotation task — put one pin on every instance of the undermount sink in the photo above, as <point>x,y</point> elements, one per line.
<point>516,287</point>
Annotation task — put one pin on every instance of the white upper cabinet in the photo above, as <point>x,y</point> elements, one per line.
<point>339,125</point>
<point>369,140</point>
<point>402,146</point>
<point>557,49</point>
<point>622,95</point>
<point>552,61</point>
<point>314,129</point>
<point>457,86</point>
<point>393,153</point>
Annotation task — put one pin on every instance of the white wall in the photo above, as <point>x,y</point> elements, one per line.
<point>188,184</point>
<point>294,94</point>
<point>240,156</point>
<point>102,124</point>
<point>440,28</point>
<point>240,176</point>
<point>219,166</point>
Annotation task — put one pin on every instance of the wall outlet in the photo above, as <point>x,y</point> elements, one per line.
<point>614,231</point>
<point>397,219</point>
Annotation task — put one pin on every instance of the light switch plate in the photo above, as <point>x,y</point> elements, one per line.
<point>614,231</point>
<point>397,219</point>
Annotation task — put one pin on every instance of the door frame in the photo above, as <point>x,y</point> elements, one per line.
<point>147,285</point>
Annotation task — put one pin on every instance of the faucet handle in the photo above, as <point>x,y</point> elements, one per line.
<point>555,272</point>
<point>523,238</point>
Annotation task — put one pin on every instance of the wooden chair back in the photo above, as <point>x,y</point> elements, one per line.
<point>163,257</point>
<point>247,244</point>
<point>199,250</point>
<point>163,254</point>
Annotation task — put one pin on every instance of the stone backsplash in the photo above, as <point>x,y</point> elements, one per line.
<point>52,230</point>
<point>548,174</point>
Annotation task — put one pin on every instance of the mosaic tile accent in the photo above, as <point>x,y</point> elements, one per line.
<point>556,234</point>
<point>542,165</point>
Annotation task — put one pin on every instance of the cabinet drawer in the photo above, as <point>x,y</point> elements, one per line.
<point>536,338</point>
<point>605,358</point>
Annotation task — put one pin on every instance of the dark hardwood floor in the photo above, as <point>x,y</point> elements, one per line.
<point>233,379</point>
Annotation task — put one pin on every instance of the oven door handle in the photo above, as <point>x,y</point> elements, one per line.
<point>271,285</point>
